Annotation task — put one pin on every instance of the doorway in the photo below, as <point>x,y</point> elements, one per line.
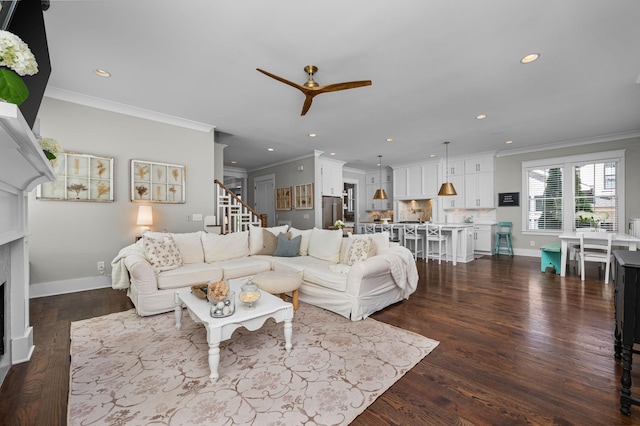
<point>264,197</point>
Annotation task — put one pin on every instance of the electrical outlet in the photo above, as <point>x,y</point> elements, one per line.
<point>101,267</point>
<point>532,243</point>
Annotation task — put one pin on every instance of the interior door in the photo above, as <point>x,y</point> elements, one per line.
<point>264,197</point>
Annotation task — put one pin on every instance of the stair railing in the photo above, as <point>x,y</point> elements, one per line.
<point>235,215</point>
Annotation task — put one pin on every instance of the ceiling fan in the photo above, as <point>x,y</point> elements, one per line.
<point>311,88</point>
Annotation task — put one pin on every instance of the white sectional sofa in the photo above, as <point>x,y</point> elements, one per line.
<point>352,276</point>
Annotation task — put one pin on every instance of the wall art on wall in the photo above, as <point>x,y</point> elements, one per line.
<point>283,198</point>
<point>80,177</point>
<point>303,198</point>
<point>153,182</point>
<point>506,199</point>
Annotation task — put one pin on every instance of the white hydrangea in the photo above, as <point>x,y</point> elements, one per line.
<point>16,55</point>
<point>51,145</point>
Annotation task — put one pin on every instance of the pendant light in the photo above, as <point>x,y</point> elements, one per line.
<point>447,188</point>
<point>380,193</point>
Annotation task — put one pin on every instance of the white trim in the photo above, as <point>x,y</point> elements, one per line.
<point>69,286</point>
<point>570,143</point>
<point>290,160</point>
<point>81,99</point>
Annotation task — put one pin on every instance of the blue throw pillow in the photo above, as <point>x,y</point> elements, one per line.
<point>288,248</point>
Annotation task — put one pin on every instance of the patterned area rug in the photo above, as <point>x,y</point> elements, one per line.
<point>128,370</point>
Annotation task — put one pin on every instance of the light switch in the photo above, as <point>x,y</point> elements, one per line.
<point>197,218</point>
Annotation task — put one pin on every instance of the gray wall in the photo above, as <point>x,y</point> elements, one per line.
<point>287,174</point>
<point>508,178</point>
<point>68,238</point>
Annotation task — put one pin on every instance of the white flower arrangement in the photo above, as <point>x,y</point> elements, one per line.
<point>339,224</point>
<point>592,218</point>
<point>51,147</point>
<point>18,59</point>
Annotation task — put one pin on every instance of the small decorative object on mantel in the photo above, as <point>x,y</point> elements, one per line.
<point>51,148</point>
<point>16,60</point>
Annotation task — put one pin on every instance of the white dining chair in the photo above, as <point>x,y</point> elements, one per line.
<point>435,237</point>
<point>369,228</point>
<point>414,240</point>
<point>394,232</point>
<point>595,250</point>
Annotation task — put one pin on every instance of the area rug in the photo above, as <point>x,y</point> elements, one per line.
<point>130,370</point>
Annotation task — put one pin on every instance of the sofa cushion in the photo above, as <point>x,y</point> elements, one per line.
<point>325,244</point>
<point>224,247</point>
<point>190,246</point>
<point>298,263</point>
<point>326,277</point>
<point>162,252</point>
<point>243,267</point>
<point>304,242</point>
<point>188,275</point>
<point>255,236</point>
<point>288,247</point>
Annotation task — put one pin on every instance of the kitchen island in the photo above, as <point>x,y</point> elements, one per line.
<point>460,238</point>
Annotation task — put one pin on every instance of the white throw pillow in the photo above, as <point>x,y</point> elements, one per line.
<point>359,251</point>
<point>304,244</point>
<point>162,252</point>
<point>256,242</point>
<point>225,247</point>
<point>190,246</point>
<point>325,244</point>
<point>370,238</point>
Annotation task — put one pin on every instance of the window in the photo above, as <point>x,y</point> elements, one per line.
<point>553,199</point>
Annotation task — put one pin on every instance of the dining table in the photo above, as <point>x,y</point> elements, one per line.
<point>619,239</point>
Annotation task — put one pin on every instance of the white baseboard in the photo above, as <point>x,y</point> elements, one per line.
<point>527,252</point>
<point>69,286</point>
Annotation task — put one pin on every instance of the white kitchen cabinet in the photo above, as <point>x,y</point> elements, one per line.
<point>372,204</point>
<point>374,177</point>
<point>484,238</point>
<point>419,181</point>
<point>465,249</point>
<point>476,165</point>
<point>478,190</point>
<point>331,173</point>
<point>455,201</point>
<point>456,167</point>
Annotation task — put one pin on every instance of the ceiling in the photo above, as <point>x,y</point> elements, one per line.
<point>435,65</point>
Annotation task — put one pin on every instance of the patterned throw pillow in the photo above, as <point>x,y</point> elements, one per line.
<point>359,251</point>
<point>162,252</point>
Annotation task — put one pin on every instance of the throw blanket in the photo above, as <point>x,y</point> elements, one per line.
<point>119,273</point>
<point>403,268</point>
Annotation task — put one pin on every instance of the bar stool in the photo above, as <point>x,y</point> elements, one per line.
<point>413,240</point>
<point>504,232</point>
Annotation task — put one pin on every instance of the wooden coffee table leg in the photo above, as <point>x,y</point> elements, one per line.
<point>294,299</point>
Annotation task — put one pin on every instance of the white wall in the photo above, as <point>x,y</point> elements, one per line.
<point>68,238</point>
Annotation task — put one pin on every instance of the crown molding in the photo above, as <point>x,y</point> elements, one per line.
<point>570,143</point>
<point>90,101</point>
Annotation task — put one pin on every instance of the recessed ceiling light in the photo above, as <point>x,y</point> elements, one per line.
<point>234,162</point>
<point>481,116</point>
<point>389,139</point>
<point>102,73</point>
<point>270,149</point>
<point>333,153</point>
<point>432,155</point>
<point>312,135</point>
<point>509,142</point>
<point>530,58</point>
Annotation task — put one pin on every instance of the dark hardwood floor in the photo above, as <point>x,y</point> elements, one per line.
<point>516,347</point>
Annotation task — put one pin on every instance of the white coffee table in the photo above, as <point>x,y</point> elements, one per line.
<point>219,329</point>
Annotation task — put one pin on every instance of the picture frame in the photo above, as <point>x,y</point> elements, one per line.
<point>153,182</point>
<point>283,198</point>
<point>508,199</point>
<point>303,196</point>
<point>79,177</point>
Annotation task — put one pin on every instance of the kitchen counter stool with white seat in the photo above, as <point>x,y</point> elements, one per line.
<point>369,228</point>
<point>435,237</point>
<point>414,240</point>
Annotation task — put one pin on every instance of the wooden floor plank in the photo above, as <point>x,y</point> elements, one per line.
<point>517,347</point>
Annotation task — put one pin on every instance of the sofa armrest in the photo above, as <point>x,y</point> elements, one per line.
<point>367,275</point>
<point>142,274</point>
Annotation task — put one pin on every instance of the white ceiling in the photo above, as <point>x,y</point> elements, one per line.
<point>435,65</point>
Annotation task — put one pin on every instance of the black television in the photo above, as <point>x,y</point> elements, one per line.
<point>25,18</point>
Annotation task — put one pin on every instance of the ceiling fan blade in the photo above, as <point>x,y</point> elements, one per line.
<point>307,104</point>
<point>282,80</point>
<point>343,86</point>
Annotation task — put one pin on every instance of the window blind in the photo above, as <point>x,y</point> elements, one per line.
<point>545,204</point>
<point>595,192</point>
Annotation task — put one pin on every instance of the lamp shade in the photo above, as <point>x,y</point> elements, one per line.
<point>145,216</point>
<point>447,189</point>
<point>380,194</point>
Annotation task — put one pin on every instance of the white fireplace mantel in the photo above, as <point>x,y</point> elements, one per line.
<point>23,165</point>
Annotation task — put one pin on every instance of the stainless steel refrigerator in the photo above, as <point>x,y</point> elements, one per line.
<point>331,211</point>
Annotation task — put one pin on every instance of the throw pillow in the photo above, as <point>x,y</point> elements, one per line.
<point>286,247</point>
<point>255,236</point>
<point>325,244</point>
<point>162,252</point>
<point>190,246</point>
<point>269,242</point>
<point>224,247</point>
<point>359,251</point>
<point>373,245</point>
<point>304,243</point>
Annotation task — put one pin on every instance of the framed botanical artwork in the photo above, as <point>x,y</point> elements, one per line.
<point>80,177</point>
<point>303,197</point>
<point>153,182</point>
<point>283,198</point>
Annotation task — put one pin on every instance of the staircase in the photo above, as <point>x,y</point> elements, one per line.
<point>235,215</point>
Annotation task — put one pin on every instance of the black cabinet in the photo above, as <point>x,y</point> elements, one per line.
<point>627,308</point>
